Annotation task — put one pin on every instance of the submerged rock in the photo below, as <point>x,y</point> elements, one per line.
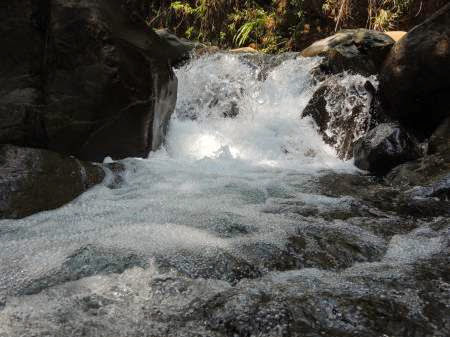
<point>357,50</point>
<point>404,294</point>
<point>383,148</point>
<point>92,80</point>
<point>86,261</point>
<point>33,180</point>
<point>415,79</point>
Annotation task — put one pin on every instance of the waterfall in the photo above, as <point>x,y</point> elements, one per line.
<point>243,223</point>
<point>231,107</point>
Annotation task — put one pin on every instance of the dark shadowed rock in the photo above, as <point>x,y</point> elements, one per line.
<point>92,79</point>
<point>440,139</point>
<point>180,48</point>
<point>383,148</point>
<point>358,50</point>
<point>421,172</point>
<point>33,180</point>
<point>428,176</point>
<point>415,79</point>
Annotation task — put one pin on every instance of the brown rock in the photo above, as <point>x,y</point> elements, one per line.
<point>357,50</point>
<point>395,35</point>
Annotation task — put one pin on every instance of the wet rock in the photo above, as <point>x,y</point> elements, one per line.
<point>404,294</point>
<point>422,56</point>
<point>33,180</point>
<point>440,139</point>
<point>84,262</point>
<point>428,176</point>
<point>92,80</point>
<point>375,199</point>
<point>334,246</point>
<point>342,110</point>
<point>212,263</point>
<point>424,171</point>
<point>357,50</point>
<point>383,148</point>
<point>180,48</point>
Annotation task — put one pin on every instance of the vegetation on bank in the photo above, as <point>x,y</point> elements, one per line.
<point>278,25</point>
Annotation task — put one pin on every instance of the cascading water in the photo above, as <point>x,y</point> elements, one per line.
<point>223,232</point>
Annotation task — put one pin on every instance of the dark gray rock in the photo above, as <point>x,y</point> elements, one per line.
<point>180,48</point>
<point>357,50</point>
<point>343,111</point>
<point>33,180</point>
<point>92,80</point>
<point>424,171</point>
<point>385,147</point>
<point>440,139</point>
<point>428,176</point>
<point>415,79</point>
<point>86,261</point>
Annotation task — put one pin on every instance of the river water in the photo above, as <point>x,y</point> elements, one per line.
<point>225,231</point>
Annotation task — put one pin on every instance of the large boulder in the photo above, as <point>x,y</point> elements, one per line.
<point>22,40</point>
<point>85,78</point>
<point>383,148</point>
<point>415,78</point>
<point>343,110</point>
<point>33,180</point>
<point>358,50</point>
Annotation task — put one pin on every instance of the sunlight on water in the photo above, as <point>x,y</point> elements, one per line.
<point>235,145</point>
<point>267,130</point>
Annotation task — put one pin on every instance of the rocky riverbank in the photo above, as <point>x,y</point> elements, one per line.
<point>248,224</point>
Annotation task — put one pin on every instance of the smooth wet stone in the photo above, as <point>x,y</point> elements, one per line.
<point>385,147</point>
<point>86,261</point>
<point>33,180</point>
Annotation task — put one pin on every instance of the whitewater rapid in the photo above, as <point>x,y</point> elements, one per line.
<point>212,173</point>
<point>226,230</point>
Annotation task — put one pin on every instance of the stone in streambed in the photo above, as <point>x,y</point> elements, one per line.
<point>343,110</point>
<point>383,148</point>
<point>357,50</point>
<point>34,180</point>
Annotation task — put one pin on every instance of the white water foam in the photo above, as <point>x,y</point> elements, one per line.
<point>213,172</point>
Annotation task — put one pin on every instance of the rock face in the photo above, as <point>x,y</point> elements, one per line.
<point>342,110</point>
<point>33,180</point>
<point>179,48</point>
<point>358,50</point>
<point>91,81</point>
<point>383,148</point>
<point>415,79</point>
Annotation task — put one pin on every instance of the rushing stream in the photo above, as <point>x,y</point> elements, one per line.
<point>226,231</point>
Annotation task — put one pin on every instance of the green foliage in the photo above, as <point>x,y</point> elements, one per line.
<point>255,25</point>
<point>182,7</point>
<point>269,25</point>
